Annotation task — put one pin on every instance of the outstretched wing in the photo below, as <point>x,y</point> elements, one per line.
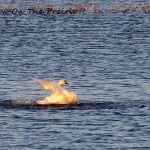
<point>47,85</point>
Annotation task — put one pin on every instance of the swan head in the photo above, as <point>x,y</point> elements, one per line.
<point>62,82</point>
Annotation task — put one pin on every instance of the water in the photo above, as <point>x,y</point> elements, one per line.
<point>106,60</point>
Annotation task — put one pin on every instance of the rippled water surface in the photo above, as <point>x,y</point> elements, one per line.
<point>106,60</point>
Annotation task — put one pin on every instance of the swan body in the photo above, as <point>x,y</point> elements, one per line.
<point>59,95</point>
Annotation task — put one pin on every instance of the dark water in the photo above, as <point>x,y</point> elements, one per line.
<point>106,60</point>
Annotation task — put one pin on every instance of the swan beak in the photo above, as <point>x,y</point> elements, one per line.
<point>66,82</point>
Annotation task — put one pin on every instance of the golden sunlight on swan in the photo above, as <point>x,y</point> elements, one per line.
<point>59,95</point>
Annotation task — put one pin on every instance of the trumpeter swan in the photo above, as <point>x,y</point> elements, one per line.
<point>59,95</point>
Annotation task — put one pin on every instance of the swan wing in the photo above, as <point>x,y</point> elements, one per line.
<point>47,85</point>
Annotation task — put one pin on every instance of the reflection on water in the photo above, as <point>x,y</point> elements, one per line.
<point>105,58</point>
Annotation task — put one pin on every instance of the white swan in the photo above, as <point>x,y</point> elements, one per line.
<point>59,95</point>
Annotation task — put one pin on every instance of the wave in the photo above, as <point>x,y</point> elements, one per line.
<point>82,105</point>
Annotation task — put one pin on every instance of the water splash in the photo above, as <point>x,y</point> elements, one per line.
<point>27,104</point>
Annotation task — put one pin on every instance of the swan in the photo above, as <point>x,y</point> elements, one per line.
<point>59,95</point>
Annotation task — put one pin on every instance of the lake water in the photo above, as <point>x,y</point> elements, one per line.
<point>106,60</point>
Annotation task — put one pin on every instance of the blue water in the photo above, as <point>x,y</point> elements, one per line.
<point>106,60</point>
